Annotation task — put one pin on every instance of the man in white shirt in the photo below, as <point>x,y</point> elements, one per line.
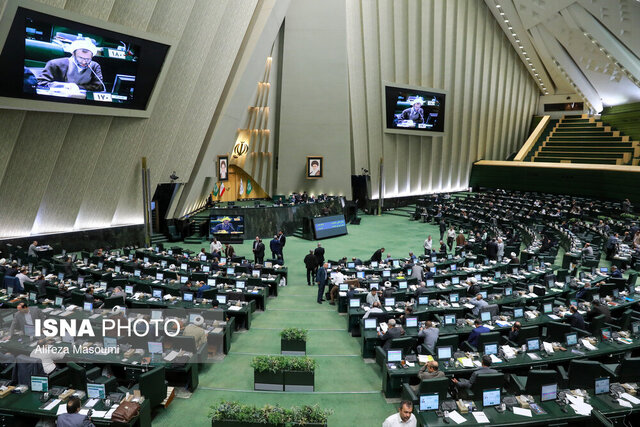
<point>428,245</point>
<point>215,246</point>
<point>404,416</point>
<point>22,277</point>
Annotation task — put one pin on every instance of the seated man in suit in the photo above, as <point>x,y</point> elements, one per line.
<point>575,319</point>
<point>598,309</point>
<point>88,297</point>
<point>25,316</point>
<point>478,304</point>
<point>475,333</point>
<point>393,332</point>
<point>464,383</point>
<point>73,418</point>
<point>514,333</point>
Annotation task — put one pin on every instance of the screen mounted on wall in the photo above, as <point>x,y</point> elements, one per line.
<point>53,60</point>
<point>413,110</point>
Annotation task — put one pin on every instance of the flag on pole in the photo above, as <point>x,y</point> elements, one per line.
<point>215,190</point>
<point>249,187</point>
<point>241,190</point>
<point>222,188</point>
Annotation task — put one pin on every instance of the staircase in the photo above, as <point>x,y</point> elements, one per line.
<point>298,233</point>
<point>405,211</point>
<point>585,139</point>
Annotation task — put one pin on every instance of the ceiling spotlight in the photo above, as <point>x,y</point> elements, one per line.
<point>498,6</point>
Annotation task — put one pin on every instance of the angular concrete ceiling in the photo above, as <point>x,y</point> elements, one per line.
<point>585,47</point>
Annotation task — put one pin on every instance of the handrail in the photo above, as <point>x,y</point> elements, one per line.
<point>532,139</point>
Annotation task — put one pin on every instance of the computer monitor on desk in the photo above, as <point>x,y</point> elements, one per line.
<point>222,299</point>
<point>374,264</point>
<point>389,302</point>
<point>518,312</point>
<point>351,265</point>
<point>354,303</point>
<point>548,392</point>
<point>187,297</point>
<point>411,322</point>
<point>484,294</point>
<point>394,355</point>
<point>423,300</point>
<point>605,333</point>
<point>431,283</point>
<point>455,280</point>
<point>206,269</point>
<point>157,293</point>
<point>402,285</point>
<point>343,287</point>
<point>497,275</point>
<point>533,344</point>
<point>39,384</point>
<point>547,308</point>
<point>154,347</point>
<point>491,348</point>
<point>429,402</point>
<point>444,352</point>
<point>571,338</point>
<point>184,279</point>
<point>370,323</point>
<point>449,319</point>
<point>454,298</point>
<point>490,397</point>
<point>485,316</point>
<point>96,391</point>
<point>454,267</point>
<point>240,284</point>
<point>508,291</point>
<point>159,276</point>
<point>602,385</point>
<point>386,273</point>
<point>360,274</point>
<point>231,270</point>
<point>211,282</point>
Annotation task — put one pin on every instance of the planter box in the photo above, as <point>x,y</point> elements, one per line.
<point>232,423</point>
<point>299,381</point>
<point>293,347</point>
<point>268,381</point>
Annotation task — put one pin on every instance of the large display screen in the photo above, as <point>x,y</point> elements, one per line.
<point>49,58</point>
<point>227,224</point>
<point>329,226</point>
<point>412,110</point>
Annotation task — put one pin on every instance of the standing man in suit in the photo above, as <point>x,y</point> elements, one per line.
<point>377,255</point>
<point>25,317</point>
<point>276,249</point>
<point>283,240</point>
<point>258,251</point>
<point>73,418</point>
<point>319,254</point>
<point>311,265</point>
<point>492,250</point>
<point>229,252</point>
<point>32,249</point>
<point>443,227</point>
<point>321,278</point>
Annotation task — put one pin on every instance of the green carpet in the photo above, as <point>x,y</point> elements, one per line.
<point>344,382</point>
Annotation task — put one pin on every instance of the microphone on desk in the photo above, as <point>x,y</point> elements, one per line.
<point>104,88</point>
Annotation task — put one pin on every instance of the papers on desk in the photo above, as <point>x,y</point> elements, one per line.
<point>490,327</point>
<point>384,327</point>
<point>627,396</point>
<point>424,358</point>
<point>84,411</point>
<point>62,409</point>
<point>480,417</point>
<point>216,330</point>
<point>456,305</point>
<point>469,306</point>
<point>624,340</point>
<point>522,411</point>
<point>509,353</point>
<point>235,308</point>
<point>554,317</point>
<point>98,414</point>
<point>578,405</point>
<point>503,324</point>
<point>342,293</point>
<point>91,403</point>
<point>456,417</point>
<point>624,403</point>
<point>465,362</point>
<point>548,347</point>
<point>533,356</point>
<point>171,356</point>
<point>111,411</point>
<point>495,359</point>
<point>52,405</point>
<point>587,344</point>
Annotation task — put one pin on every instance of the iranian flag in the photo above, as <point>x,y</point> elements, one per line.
<point>215,190</point>
<point>222,188</point>
<point>249,187</point>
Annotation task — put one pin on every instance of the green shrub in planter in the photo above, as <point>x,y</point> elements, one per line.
<point>283,363</point>
<point>294,334</point>
<point>234,414</point>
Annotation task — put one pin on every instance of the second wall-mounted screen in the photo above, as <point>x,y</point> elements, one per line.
<point>413,110</point>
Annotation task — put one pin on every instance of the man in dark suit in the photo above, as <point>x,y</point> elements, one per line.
<point>377,255</point>
<point>25,316</point>
<point>73,418</point>
<point>283,240</point>
<point>311,265</point>
<point>258,251</point>
<point>88,297</point>
<point>475,333</point>
<point>276,249</point>
<point>321,278</point>
<point>319,254</point>
<point>393,332</point>
<point>575,319</point>
<point>598,309</point>
<point>463,383</point>
<point>514,333</point>
<point>492,249</point>
<point>615,272</point>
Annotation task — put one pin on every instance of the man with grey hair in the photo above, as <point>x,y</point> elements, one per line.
<point>393,332</point>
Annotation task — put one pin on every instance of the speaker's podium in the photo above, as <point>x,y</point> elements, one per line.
<point>361,190</point>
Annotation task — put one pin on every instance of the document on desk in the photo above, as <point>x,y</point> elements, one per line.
<point>98,414</point>
<point>625,403</point>
<point>627,396</point>
<point>465,362</point>
<point>554,317</point>
<point>171,356</point>
<point>495,359</point>
<point>533,356</point>
<point>235,308</point>
<point>456,417</point>
<point>62,409</point>
<point>52,405</point>
<point>91,403</point>
<point>480,417</point>
<point>522,411</point>
<point>548,347</point>
<point>456,305</point>
<point>587,344</point>
<point>216,330</point>
<point>342,293</point>
<point>469,306</point>
<point>509,352</point>
<point>84,411</point>
<point>424,358</point>
<point>111,411</point>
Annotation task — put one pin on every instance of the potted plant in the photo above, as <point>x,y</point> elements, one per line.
<point>235,414</point>
<point>267,374</point>
<point>299,374</point>
<point>293,341</point>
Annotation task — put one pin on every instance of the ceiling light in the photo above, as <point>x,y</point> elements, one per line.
<point>501,13</point>
<point>510,27</point>
<point>498,6</point>
<point>524,53</point>
<point>506,20</point>
<point>514,34</point>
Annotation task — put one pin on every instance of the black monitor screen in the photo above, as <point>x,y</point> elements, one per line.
<point>329,226</point>
<point>227,224</point>
<point>49,58</point>
<point>414,110</point>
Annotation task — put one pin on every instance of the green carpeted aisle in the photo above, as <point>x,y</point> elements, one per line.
<point>344,382</point>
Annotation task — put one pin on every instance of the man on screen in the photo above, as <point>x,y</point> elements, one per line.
<point>414,113</point>
<point>224,227</point>
<point>79,68</point>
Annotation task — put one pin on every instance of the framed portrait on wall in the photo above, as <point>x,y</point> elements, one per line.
<point>223,171</point>
<point>314,166</point>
